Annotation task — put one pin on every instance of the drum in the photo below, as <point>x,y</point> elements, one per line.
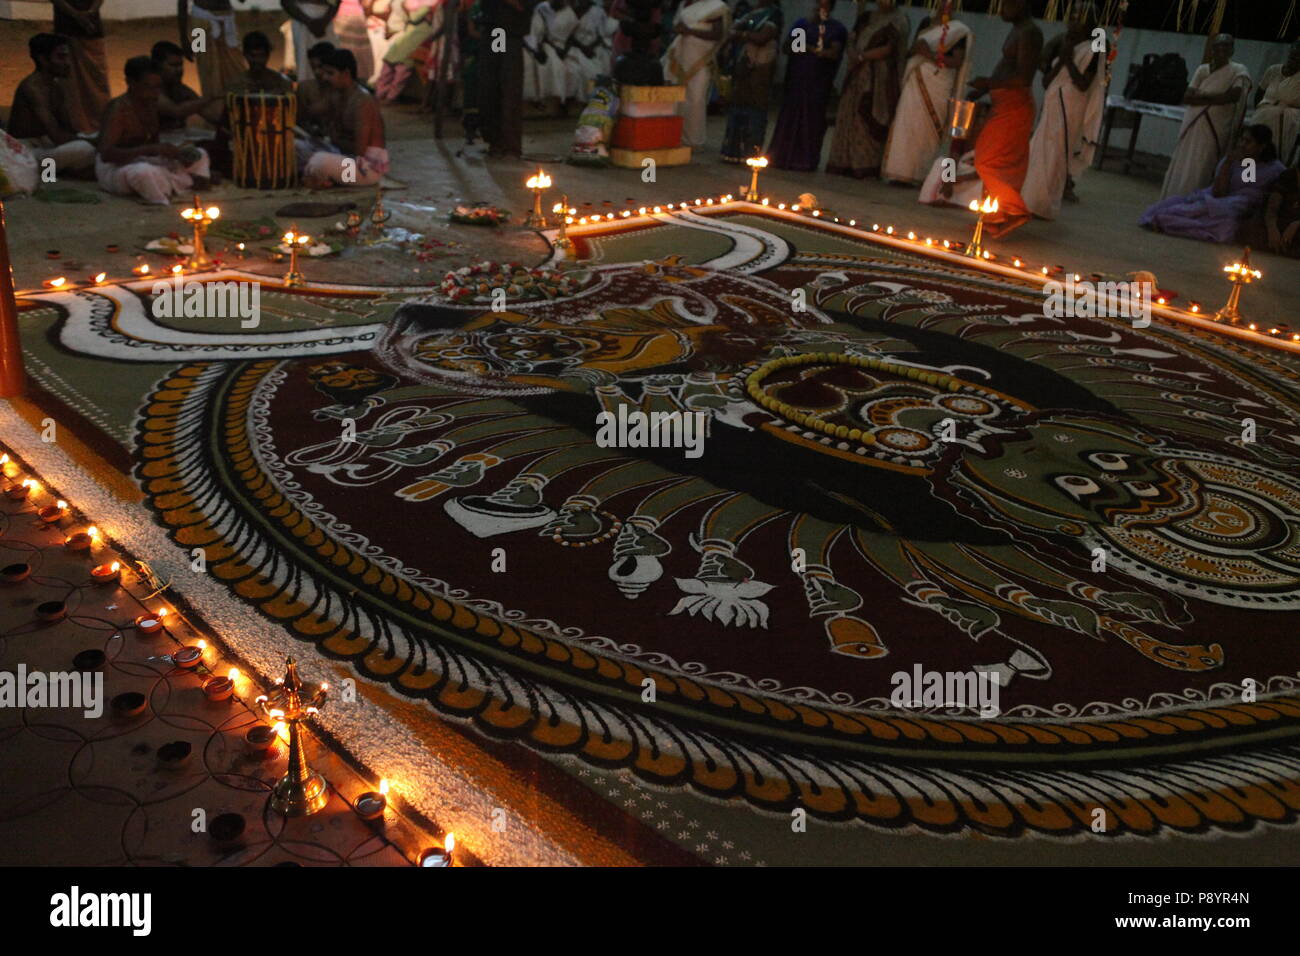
<point>261,139</point>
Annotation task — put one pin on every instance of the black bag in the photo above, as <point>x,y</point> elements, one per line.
<point>1162,78</point>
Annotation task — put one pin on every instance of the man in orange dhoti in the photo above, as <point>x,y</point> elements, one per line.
<point>1002,149</point>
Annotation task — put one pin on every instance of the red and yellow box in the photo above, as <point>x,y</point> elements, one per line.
<point>647,132</point>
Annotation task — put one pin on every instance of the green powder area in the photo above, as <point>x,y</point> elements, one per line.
<point>655,242</point>
<point>106,393</point>
<point>284,312</point>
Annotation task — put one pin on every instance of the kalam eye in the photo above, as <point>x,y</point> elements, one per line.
<point>1143,489</point>
<point>1109,461</point>
<point>1077,487</point>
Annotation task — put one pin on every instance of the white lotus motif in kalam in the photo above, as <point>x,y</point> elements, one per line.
<point>727,602</point>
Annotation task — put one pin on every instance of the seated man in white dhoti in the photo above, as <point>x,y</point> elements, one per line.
<point>699,28</point>
<point>583,59</point>
<point>1216,102</point>
<point>1277,104</point>
<point>358,153</point>
<point>40,116</point>
<point>1066,136</point>
<point>935,73</point>
<point>132,160</point>
<point>546,75</point>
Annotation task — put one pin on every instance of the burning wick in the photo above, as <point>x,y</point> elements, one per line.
<point>372,804</point>
<point>150,624</point>
<point>219,688</point>
<point>105,574</point>
<point>188,657</point>
<point>440,856</point>
<point>82,540</point>
<point>22,490</point>
<point>51,514</point>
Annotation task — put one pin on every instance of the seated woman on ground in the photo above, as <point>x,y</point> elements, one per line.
<point>1217,212</point>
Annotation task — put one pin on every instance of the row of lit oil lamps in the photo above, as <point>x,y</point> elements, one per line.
<point>372,805</point>
<point>1238,273</point>
<point>200,217</point>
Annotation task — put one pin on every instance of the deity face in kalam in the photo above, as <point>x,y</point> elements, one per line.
<point>511,351</point>
<point>1202,524</point>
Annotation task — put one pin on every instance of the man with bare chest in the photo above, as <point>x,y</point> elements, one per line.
<point>1002,148</point>
<point>132,158</point>
<point>358,153</point>
<point>40,116</point>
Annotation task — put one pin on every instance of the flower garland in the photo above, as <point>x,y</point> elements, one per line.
<point>479,281</point>
<point>479,215</point>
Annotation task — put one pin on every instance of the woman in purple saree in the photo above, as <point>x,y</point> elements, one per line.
<point>815,47</point>
<point>1217,212</point>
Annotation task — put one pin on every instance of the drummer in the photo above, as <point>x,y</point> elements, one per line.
<point>358,155</point>
<point>259,77</point>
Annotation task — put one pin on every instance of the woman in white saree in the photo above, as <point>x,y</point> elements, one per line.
<point>935,74</point>
<point>1065,140</point>
<point>1216,103</point>
<point>700,28</point>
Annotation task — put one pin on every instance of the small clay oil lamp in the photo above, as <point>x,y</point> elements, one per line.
<point>15,573</point>
<point>174,755</point>
<point>440,855</point>
<point>20,491</point>
<point>221,688</point>
<point>50,611</point>
<point>372,804</point>
<point>7,468</point>
<point>227,828</point>
<point>82,540</point>
<point>53,514</point>
<point>151,625</point>
<point>129,704</point>
<point>91,659</point>
<point>106,574</point>
<point>261,738</point>
<point>189,657</point>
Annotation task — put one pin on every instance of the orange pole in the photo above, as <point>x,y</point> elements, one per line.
<point>11,346</point>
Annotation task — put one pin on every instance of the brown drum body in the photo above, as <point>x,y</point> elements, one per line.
<point>261,139</point>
